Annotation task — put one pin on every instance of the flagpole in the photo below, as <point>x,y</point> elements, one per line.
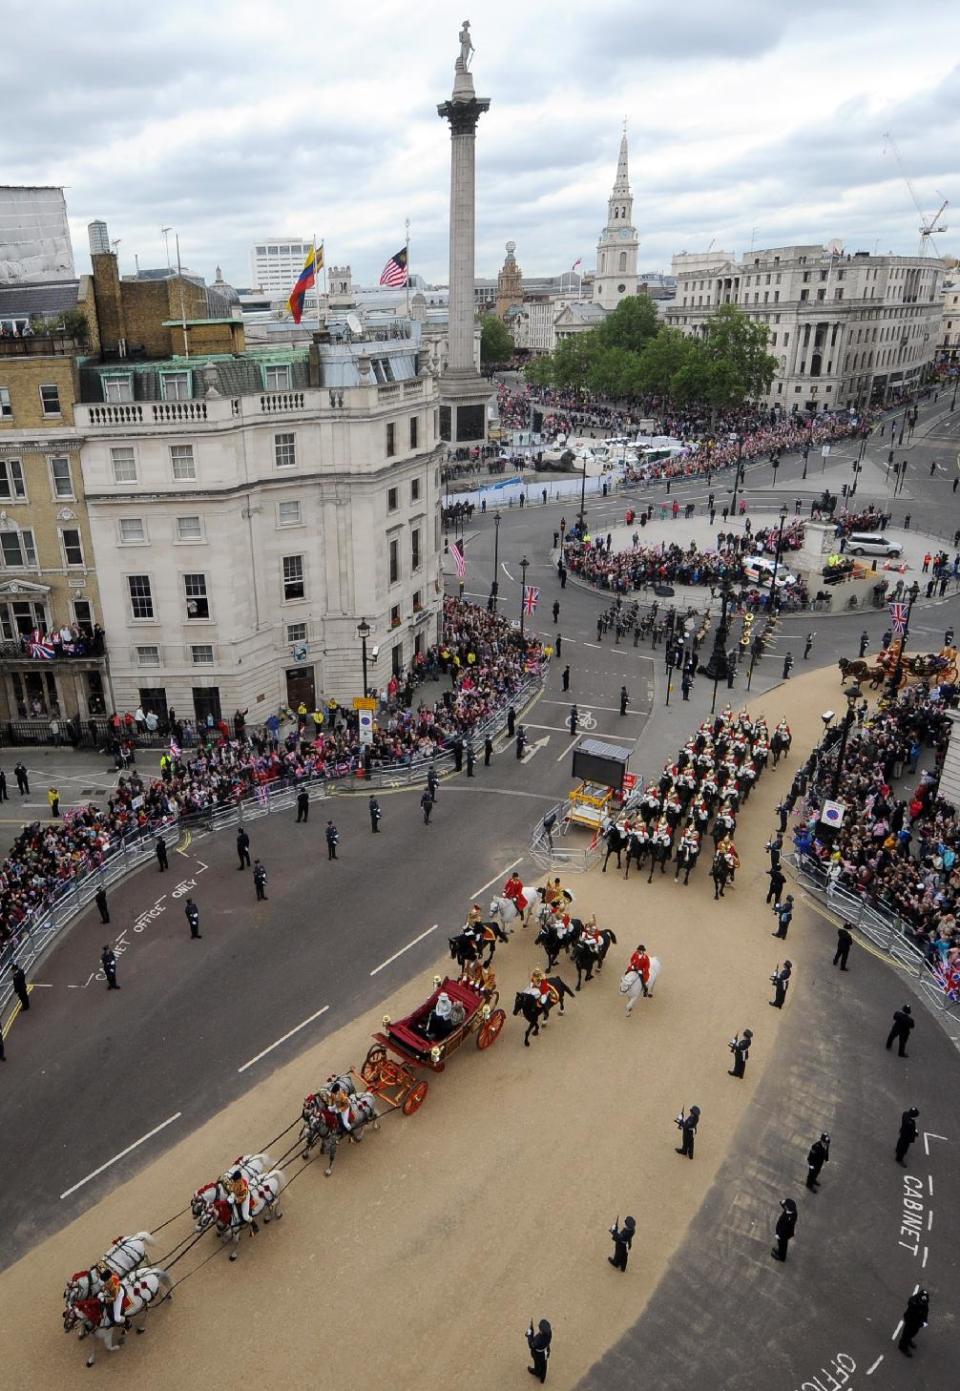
<point>316,280</point>
<point>407,244</point>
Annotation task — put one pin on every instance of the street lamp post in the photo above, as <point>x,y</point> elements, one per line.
<point>784,513</point>
<point>495,586</point>
<point>363,632</point>
<point>583,498</point>
<point>894,683</point>
<point>717,665</point>
<point>852,694</point>
<point>669,673</point>
<point>524,565</point>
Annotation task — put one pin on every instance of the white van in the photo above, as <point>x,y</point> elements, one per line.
<point>759,569</point>
<point>872,543</point>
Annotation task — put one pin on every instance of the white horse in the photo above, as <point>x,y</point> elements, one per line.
<point>631,983</point>
<point>264,1203</point>
<point>318,1114</point>
<point>140,1289</point>
<point>125,1255</point>
<point>506,910</point>
<point>250,1165</point>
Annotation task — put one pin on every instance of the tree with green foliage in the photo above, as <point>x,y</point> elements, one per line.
<point>631,325</point>
<point>496,345</point>
<point>574,358</point>
<point>735,362</point>
<point>663,357</point>
<point>539,371</point>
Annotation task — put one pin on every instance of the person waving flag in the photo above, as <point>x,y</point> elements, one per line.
<point>395,271</point>
<point>305,281</point>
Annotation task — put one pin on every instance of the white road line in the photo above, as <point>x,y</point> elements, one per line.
<point>149,1135</point>
<point>923,1263</point>
<point>614,709</point>
<point>930,1184</point>
<point>597,645</point>
<point>295,1030</point>
<point>393,958</point>
<point>871,1370</point>
<point>483,887</point>
<point>930,1219</point>
<point>569,749</point>
<point>929,1135</point>
<point>41,985</point>
<point>896,1332</point>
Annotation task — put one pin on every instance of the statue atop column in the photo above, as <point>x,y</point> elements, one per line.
<point>466,48</point>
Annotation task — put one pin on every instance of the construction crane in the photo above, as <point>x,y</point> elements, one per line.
<point>929,226</point>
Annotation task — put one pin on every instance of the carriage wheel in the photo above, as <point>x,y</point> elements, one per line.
<point>373,1062</point>
<point>416,1099</point>
<point>490,1030</point>
<point>949,674</point>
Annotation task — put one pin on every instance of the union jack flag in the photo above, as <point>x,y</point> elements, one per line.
<point>898,618</point>
<point>531,598</point>
<point>459,559</point>
<point>263,796</point>
<point>174,749</point>
<point>42,650</point>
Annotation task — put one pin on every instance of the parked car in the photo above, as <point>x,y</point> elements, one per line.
<point>872,543</point>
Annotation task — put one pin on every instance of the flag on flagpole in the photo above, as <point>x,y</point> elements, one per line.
<point>577,262</point>
<point>395,271</point>
<point>898,618</point>
<point>531,598</point>
<point>459,559</point>
<point>305,281</point>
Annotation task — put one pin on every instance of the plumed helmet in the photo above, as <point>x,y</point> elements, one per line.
<point>694,1110</point>
<point>237,1173</point>
<point>788,1205</point>
<point>630,1223</point>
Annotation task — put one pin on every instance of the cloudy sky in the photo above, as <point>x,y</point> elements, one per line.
<point>752,120</point>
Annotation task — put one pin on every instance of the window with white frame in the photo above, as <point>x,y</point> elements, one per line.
<point>201,654</point>
<point>141,596</point>
<point>182,462</point>
<point>118,389</point>
<point>6,409</point>
<point>12,488</point>
<point>132,531</point>
<point>288,514</point>
<point>195,594</point>
<point>296,632</point>
<point>124,463</point>
<point>285,450</point>
<point>415,490</point>
<point>60,476</point>
<point>277,378</point>
<point>18,549</point>
<point>72,546</point>
<point>189,529</point>
<point>293,581</point>
<point>148,656</point>
<point>176,386</point>
<point>50,399</point>
<point>415,548</point>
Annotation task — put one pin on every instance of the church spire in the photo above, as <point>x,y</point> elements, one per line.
<point>621,187</point>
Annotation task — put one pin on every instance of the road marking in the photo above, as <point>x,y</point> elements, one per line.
<point>570,747</point>
<point>614,709</point>
<point>289,1034</point>
<point>923,1263</point>
<point>594,645</point>
<point>565,728</point>
<point>188,837</point>
<point>39,985</point>
<point>929,1135</point>
<point>149,1135</point>
<point>896,1332</point>
<point>871,1370</point>
<point>930,1184</point>
<point>538,744</point>
<point>930,1219</point>
<point>483,887</point>
<point>391,959</point>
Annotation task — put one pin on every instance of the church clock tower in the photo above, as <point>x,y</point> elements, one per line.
<point>616,276</point>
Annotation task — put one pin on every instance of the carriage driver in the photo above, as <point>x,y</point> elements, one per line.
<point>239,1196</point>
<point>111,1297</point>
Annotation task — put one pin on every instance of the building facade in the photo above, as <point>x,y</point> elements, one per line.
<point>616,276</point>
<point>34,235</point>
<point>846,330</point>
<point>248,524</point>
<point>276,262</point>
<point>948,339</point>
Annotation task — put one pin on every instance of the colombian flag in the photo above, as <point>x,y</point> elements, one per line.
<point>306,281</point>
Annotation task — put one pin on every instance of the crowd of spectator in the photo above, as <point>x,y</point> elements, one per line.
<point>899,849</point>
<point>484,662</point>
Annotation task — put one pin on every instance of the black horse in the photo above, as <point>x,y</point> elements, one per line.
<point>534,1012</point>
<point>586,960</point>
<point>637,848</point>
<point>686,860</point>
<point>659,855</point>
<point>554,942</point>
<point>720,872</point>
<point>469,944</point>
<point>780,745</point>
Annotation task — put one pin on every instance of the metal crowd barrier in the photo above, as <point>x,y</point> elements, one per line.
<point>550,850</point>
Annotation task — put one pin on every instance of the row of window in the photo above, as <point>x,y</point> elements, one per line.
<point>18,549</point>
<point>177,386</point>
<point>49,401</point>
<point>13,486</point>
<point>201,655</point>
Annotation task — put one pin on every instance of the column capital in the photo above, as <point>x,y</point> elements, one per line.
<point>463,115</point>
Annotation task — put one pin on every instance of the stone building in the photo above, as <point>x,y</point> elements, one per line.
<point>509,283</point>
<point>846,330</point>
<point>616,276</point>
<point>948,338</point>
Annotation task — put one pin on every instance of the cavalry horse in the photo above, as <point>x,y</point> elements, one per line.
<point>140,1290</point>
<point>124,1256</point>
<point>534,1012</point>
<point>687,856</point>
<point>721,872</point>
<point>250,1165</point>
<point>660,850</point>
<point>586,960</point>
<point>473,939</point>
<point>631,984</point>
<point>264,1203</point>
<point>323,1122</point>
<point>554,941</point>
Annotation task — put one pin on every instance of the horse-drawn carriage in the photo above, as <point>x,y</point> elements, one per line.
<point>417,1041</point>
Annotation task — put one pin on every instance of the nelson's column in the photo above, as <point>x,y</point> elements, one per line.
<point>463,392</point>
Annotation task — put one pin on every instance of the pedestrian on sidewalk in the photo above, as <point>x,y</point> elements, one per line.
<point>688,1129</point>
<point>844,943</point>
<point>108,960</point>
<point>784,912</point>
<point>53,797</point>
<point>566,678</point>
<point>260,880</point>
<point>373,806</point>
<point>622,1240</point>
<point>303,805</point>
<point>786,1228</point>
<point>333,839</point>
<point>908,1133</point>
<point>780,980</point>
<point>192,914</point>
<point>903,1022</point>
<point>160,850</point>
<point>740,1048</point>
<point>19,981</point>
<point>426,806</point>
<point>915,1316</point>
<point>243,848</point>
<point>818,1156</point>
<point>100,899</point>
<point>539,1344</point>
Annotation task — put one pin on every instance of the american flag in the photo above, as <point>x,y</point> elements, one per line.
<point>459,559</point>
<point>395,271</point>
<point>898,618</point>
<point>531,598</point>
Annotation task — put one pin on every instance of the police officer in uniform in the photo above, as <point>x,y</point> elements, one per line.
<point>864,640</point>
<point>426,806</point>
<point>303,805</point>
<point>566,677</point>
<point>574,720</point>
<point>622,1240</point>
<point>161,852</point>
<point>688,1129</point>
<point>192,913</point>
<point>19,981</point>
<point>784,912</point>
<point>539,1345</point>
<point>915,1316</point>
<point>780,980</point>
<point>511,722</point>
<point>903,1022</point>
<point>433,783</point>
<point>487,751</point>
<point>908,1133</point>
<point>624,700</point>
<point>740,1048</point>
<point>844,943</point>
<point>785,1229</point>
<point>375,815</point>
<point>818,1156</point>
<point>471,758</point>
<point>777,882</point>
<point>260,880</point>
<point>243,849</point>
<point>108,960</point>
<point>333,839</point>
<point>521,740</point>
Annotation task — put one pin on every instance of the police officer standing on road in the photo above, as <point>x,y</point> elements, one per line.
<point>780,980</point>
<point>624,700</point>
<point>818,1156</point>
<point>471,758</point>
<point>774,849</point>
<point>864,642</point>
<point>192,913</point>
<point>333,840</point>
<point>375,815</point>
<point>566,678</point>
<point>784,912</point>
<point>574,720</point>
<point>622,1239</point>
<point>108,960</point>
<point>243,849</point>
<point>20,986</point>
<point>903,1022</point>
<point>260,881</point>
<point>783,812</point>
<point>740,1048</point>
<point>539,1344</point>
<point>487,751</point>
<point>433,783</point>
<point>777,882</point>
<point>426,806</point>
<point>23,781</point>
<point>511,722</point>
<point>558,645</point>
<point>808,645</point>
<point>521,740</point>
<point>161,853</point>
<point>915,1316</point>
<point>787,664</point>
<point>3,787</point>
<point>556,609</point>
<point>303,805</point>
<point>100,900</point>
<point>908,1133</point>
<point>844,943</point>
<point>786,1229</point>
<point>688,1128</point>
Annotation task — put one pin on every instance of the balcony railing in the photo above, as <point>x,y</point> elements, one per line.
<point>46,649</point>
<point>38,345</point>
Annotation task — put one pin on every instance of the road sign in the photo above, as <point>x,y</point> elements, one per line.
<point>366,726</point>
<point>833,813</point>
<point>364,703</point>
